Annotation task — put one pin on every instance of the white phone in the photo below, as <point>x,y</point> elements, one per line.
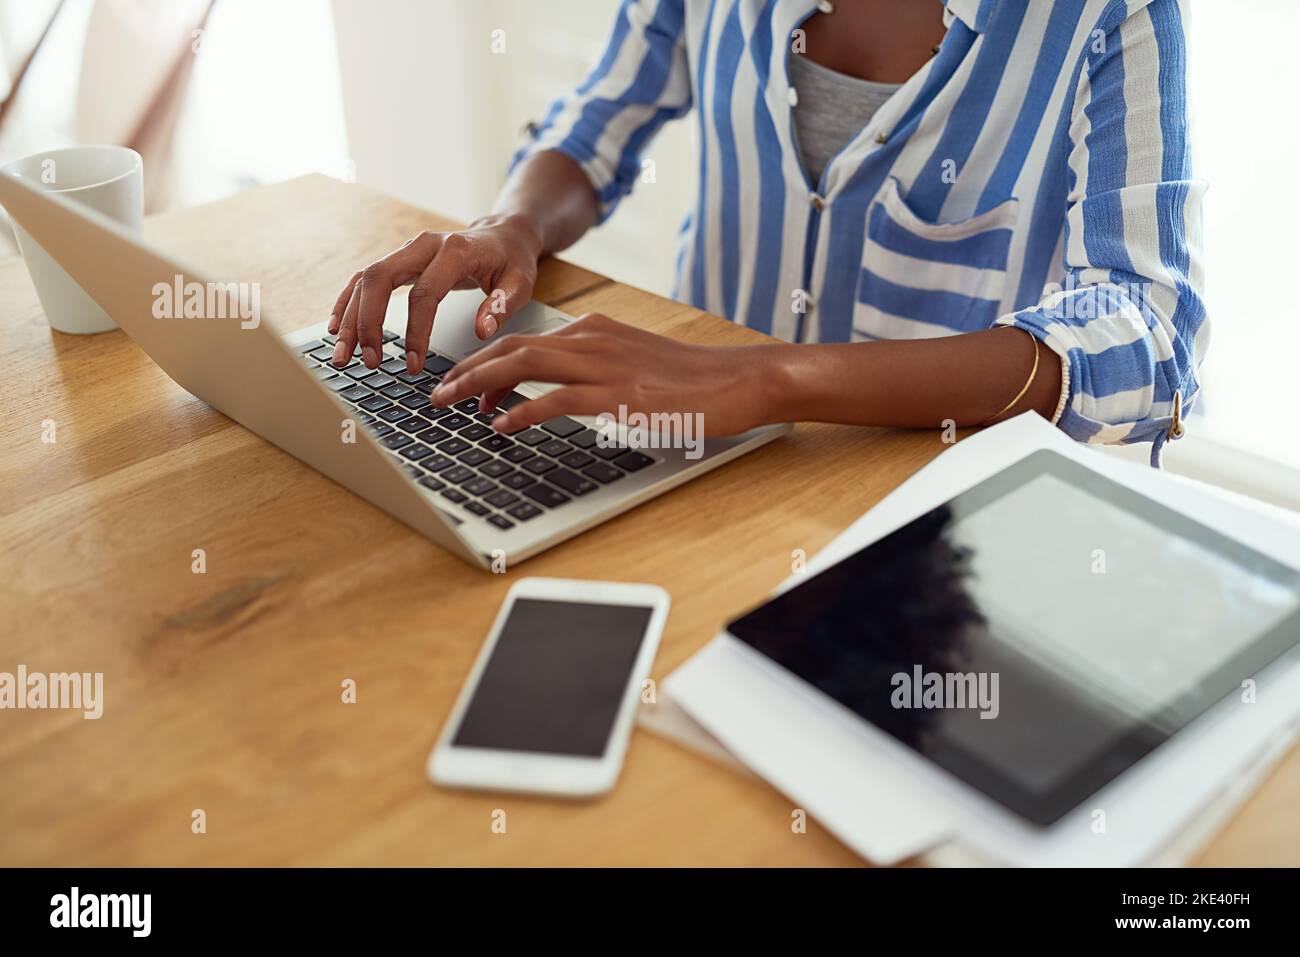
<point>549,704</point>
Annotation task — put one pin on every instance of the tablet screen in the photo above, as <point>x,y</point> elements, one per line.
<point>1038,634</point>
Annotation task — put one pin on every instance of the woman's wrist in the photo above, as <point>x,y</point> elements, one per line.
<point>523,227</point>
<point>773,386</point>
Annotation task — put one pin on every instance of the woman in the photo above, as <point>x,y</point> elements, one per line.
<point>948,209</point>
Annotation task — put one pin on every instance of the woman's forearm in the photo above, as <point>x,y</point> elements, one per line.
<point>916,383</point>
<point>551,194</point>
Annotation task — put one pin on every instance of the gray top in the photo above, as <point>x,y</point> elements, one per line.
<point>831,109</point>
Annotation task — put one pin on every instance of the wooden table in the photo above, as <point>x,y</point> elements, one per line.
<point>223,689</point>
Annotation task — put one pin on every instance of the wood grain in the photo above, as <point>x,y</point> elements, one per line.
<point>223,690</point>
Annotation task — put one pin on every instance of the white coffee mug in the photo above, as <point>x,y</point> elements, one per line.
<point>109,179</point>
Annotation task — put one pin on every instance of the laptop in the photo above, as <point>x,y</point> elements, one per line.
<point>491,499</point>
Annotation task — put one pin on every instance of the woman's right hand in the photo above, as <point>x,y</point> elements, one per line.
<point>497,254</point>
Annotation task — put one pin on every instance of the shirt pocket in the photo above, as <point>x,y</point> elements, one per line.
<point>921,279</point>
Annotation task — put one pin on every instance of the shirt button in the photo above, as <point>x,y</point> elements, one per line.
<point>818,203</point>
<point>793,97</point>
<point>825,6</point>
<point>882,138</point>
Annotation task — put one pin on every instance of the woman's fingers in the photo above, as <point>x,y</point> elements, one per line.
<point>509,294</point>
<point>347,331</point>
<point>572,400</point>
<point>529,361</point>
<point>375,287</point>
<point>340,304</point>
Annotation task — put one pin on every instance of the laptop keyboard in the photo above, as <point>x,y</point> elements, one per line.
<point>500,479</point>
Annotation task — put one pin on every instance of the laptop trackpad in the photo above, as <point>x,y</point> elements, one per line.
<point>453,328</point>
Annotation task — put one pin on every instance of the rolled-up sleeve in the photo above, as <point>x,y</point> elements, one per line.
<point>1129,323</point>
<point>641,82</point>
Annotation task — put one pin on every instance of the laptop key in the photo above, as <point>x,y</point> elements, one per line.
<point>602,473</point>
<point>523,511</point>
<point>455,495</point>
<point>412,424</point>
<point>545,495</point>
<point>393,413</point>
<point>376,404</point>
<point>494,469</point>
<point>537,465</point>
<point>555,448</point>
<point>389,336</point>
<point>495,443</point>
<point>457,475</point>
<point>476,508</point>
<point>570,482</point>
<point>516,480</point>
<point>562,426</point>
<point>501,498</point>
<point>433,436</point>
<point>426,386</point>
<point>576,460</point>
<point>453,446</point>
<point>377,380</point>
<point>338,384</point>
<point>436,463</point>
<point>366,418</point>
<point>412,471</point>
<point>357,393</point>
<point>397,440</point>
<point>433,484</point>
<point>411,378</point>
<point>584,439</point>
<point>322,354</point>
<point>468,406</point>
<point>396,391</point>
<point>393,366</point>
<point>475,432</point>
<point>414,401</point>
<point>360,373</point>
<point>324,372</point>
<point>416,452</point>
<point>455,422</point>
<point>312,346</point>
<point>437,364</point>
<point>612,452</point>
<point>517,454</point>
<point>380,430</point>
<point>633,461</point>
<point>436,412</point>
<point>479,486</point>
<point>501,522</point>
<point>474,457</point>
<point>532,437</point>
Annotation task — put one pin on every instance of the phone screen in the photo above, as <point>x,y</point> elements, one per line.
<point>555,679</point>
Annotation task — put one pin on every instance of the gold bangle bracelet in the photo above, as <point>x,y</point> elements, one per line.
<point>1033,374</point>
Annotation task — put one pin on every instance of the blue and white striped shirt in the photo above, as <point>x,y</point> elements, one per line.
<point>1036,172</point>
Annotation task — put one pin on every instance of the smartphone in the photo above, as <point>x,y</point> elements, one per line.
<point>549,704</point>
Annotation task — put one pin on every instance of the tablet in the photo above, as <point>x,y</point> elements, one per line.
<point>1039,634</point>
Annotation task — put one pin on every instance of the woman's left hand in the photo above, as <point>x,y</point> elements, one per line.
<point>601,364</point>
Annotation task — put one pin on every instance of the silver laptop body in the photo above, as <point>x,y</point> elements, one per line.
<point>355,434</point>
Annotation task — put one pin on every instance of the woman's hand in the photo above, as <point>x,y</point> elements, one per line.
<point>497,254</point>
<point>601,364</point>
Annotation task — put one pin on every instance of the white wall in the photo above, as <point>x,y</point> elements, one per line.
<point>434,114</point>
